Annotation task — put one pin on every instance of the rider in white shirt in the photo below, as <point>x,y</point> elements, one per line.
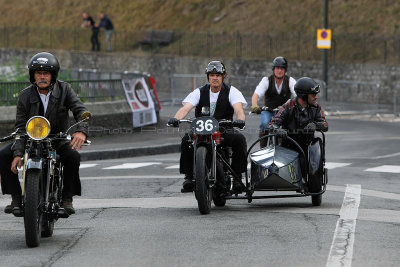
<point>223,101</point>
<point>276,90</point>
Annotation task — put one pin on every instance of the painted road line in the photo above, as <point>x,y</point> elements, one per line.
<point>341,252</point>
<point>173,167</point>
<point>333,165</point>
<point>131,165</point>
<point>385,168</point>
<point>87,165</point>
<point>387,156</point>
<point>133,177</point>
<point>366,192</point>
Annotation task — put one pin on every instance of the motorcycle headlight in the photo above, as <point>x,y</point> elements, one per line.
<point>38,128</point>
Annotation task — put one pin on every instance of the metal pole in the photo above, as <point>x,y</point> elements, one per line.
<point>325,53</point>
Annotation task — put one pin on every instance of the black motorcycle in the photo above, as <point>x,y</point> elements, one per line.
<point>42,179</point>
<point>212,169</point>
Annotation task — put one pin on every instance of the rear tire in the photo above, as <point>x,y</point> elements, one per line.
<point>202,191</point>
<point>217,199</point>
<point>47,227</point>
<point>32,208</point>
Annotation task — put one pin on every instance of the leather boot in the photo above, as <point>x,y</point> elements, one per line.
<point>188,184</point>
<point>67,206</point>
<point>15,203</point>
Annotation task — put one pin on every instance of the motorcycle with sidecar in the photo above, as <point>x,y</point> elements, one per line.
<point>272,168</point>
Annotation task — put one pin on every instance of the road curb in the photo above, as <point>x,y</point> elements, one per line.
<point>129,152</point>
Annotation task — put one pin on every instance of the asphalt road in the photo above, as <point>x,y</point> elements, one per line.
<point>133,214</point>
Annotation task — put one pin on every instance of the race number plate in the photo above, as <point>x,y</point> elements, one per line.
<point>204,125</point>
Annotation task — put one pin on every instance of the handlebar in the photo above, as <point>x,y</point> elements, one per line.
<point>221,122</point>
<point>265,108</point>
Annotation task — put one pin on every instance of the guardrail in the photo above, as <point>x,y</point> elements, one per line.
<point>87,90</point>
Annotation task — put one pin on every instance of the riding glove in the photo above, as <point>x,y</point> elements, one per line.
<point>282,133</point>
<point>310,128</point>
<point>174,122</point>
<point>256,109</point>
<point>239,123</point>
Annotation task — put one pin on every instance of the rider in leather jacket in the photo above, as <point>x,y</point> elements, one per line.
<point>51,98</point>
<point>300,117</point>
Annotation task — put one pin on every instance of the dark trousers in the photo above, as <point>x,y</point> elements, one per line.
<point>69,157</point>
<point>94,39</point>
<point>231,138</point>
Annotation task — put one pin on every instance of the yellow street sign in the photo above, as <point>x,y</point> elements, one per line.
<point>324,37</point>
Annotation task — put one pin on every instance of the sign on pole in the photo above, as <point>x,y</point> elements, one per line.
<point>141,103</point>
<point>324,37</point>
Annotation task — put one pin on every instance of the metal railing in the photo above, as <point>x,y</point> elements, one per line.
<point>87,90</point>
<point>347,48</point>
<point>361,96</point>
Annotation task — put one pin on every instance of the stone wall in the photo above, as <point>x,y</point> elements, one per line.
<point>347,82</point>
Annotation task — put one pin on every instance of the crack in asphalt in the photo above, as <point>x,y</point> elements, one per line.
<point>66,248</point>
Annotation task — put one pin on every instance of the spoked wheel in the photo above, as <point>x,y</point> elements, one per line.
<point>202,190</point>
<point>32,208</point>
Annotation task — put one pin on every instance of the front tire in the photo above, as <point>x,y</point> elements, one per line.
<point>202,191</point>
<point>32,208</point>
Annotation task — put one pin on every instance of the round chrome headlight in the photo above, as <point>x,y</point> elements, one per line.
<point>38,128</point>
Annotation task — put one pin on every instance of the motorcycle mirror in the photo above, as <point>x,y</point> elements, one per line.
<point>86,116</point>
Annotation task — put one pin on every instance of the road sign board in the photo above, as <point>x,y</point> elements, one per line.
<point>324,37</point>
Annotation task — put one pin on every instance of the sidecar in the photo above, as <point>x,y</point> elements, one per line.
<point>277,168</point>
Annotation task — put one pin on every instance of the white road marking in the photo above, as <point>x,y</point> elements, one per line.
<point>385,168</point>
<point>341,253</point>
<point>133,177</point>
<point>387,156</point>
<point>87,165</point>
<point>366,192</point>
<point>131,165</point>
<point>173,167</point>
<point>333,165</point>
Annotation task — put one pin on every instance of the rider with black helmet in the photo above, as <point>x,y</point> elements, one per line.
<point>222,101</point>
<point>300,117</point>
<point>276,90</point>
<point>52,99</point>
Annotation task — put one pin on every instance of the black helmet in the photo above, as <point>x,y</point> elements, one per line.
<point>215,67</point>
<point>305,86</point>
<point>280,62</point>
<point>44,61</point>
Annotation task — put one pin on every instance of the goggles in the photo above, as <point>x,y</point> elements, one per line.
<point>315,89</point>
<point>215,66</point>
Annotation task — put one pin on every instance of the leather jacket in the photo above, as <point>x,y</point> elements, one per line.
<point>62,99</point>
<point>294,118</point>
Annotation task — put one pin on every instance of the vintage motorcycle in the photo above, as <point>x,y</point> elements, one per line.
<point>42,178</point>
<point>213,173</point>
<point>274,168</point>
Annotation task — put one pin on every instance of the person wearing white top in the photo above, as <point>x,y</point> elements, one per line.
<point>223,101</point>
<point>275,90</point>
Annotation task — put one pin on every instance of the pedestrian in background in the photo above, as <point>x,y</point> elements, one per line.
<point>88,22</point>
<point>106,23</point>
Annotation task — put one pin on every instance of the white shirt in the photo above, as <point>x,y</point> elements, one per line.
<point>235,96</point>
<point>45,100</point>
<point>262,87</point>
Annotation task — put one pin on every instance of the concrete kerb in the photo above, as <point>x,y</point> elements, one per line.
<point>129,152</point>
